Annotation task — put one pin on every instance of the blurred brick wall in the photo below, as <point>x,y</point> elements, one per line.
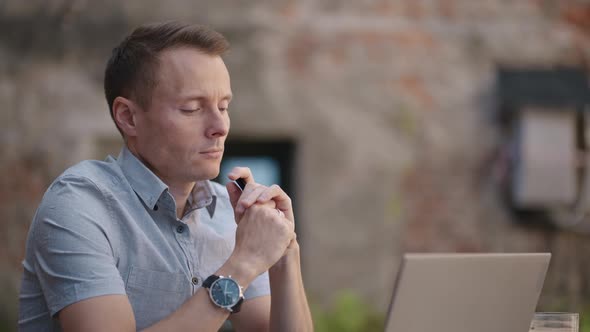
<point>388,102</point>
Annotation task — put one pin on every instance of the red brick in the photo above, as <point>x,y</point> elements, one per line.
<point>414,86</point>
<point>289,10</point>
<point>414,38</point>
<point>446,9</point>
<point>577,15</point>
<point>414,9</point>
<point>299,52</point>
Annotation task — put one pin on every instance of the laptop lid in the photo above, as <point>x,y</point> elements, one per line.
<point>466,292</point>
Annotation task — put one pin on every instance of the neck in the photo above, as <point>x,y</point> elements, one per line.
<point>180,192</point>
<point>178,189</point>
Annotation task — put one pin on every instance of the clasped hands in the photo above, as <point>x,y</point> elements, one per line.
<point>263,234</point>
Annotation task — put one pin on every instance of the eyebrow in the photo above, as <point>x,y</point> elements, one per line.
<point>227,97</point>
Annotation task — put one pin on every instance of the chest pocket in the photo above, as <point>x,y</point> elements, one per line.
<point>154,294</point>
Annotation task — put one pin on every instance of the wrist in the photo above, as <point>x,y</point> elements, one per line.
<point>291,258</point>
<point>239,270</point>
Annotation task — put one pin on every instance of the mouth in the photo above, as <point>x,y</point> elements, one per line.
<point>212,153</point>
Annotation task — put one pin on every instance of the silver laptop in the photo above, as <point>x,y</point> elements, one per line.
<point>466,292</point>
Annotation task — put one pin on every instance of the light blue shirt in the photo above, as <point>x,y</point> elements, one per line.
<point>111,228</point>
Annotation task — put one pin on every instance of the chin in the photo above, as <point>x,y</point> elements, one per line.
<point>209,174</point>
<point>200,171</point>
<point>213,176</point>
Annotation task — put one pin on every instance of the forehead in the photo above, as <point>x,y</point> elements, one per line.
<point>188,70</point>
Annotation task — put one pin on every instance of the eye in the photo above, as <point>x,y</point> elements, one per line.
<point>188,111</point>
<point>224,107</point>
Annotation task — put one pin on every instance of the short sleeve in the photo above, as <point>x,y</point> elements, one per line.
<point>71,252</point>
<point>259,287</point>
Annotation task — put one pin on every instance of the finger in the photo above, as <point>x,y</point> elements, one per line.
<point>241,172</point>
<point>250,196</point>
<point>276,215</point>
<point>234,192</point>
<point>282,200</point>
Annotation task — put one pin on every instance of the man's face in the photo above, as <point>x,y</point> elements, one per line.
<point>181,135</point>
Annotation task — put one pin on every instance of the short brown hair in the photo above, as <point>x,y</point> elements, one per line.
<point>131,71</point>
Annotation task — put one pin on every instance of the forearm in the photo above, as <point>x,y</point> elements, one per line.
<point>199,313</point>
<point>289,309</point>
<point>196,314</point>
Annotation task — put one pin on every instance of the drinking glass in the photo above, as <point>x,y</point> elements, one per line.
<point>554,322</point>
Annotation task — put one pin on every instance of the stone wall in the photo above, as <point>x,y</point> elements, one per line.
<point>388,102</point>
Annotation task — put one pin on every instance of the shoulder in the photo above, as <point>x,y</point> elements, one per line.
<point>81,191</point>
<point>87,177</point>
<point>76,206</point>
<point>102,174</point>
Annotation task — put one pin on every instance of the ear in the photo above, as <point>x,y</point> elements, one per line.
<point>124,114</point>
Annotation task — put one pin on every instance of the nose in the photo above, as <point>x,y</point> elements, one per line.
<point>218,124</point>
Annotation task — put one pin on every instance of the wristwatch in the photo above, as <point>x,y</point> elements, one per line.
<point>225,292</point>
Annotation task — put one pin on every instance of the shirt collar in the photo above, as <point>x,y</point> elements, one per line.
<point>202,196</point>
<point>144,182</point>
<point>150,187</point>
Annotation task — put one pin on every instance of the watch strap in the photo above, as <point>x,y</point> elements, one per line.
<point>236,308</point>
<point>209,281</point>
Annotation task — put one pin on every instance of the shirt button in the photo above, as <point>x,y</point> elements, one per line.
<point>180,229</point>
<point>156,207</point>
<point>195,281</point>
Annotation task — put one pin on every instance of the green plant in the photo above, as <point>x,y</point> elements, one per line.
<point>347,314</point>
<point>584,318</point>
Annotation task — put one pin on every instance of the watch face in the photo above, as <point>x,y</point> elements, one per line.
<point>225,292</point>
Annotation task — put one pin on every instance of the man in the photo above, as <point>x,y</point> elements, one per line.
<point>146,241</point>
